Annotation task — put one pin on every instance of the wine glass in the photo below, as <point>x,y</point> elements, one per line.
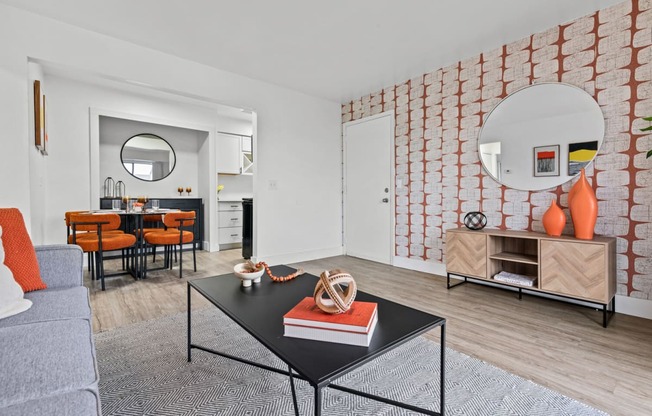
<point>180,190</point>
<point>188,190</point>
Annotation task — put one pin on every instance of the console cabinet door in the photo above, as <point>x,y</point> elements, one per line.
<point>574,269</point>
<point>466,253</point>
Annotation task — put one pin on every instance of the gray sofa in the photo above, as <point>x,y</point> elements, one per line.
<point>47,354</point>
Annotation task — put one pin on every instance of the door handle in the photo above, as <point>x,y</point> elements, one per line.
<point>385,200</point>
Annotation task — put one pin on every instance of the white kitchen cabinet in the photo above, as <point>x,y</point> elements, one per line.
<point>235,154</point>
<point>247,155</point>
<point>229,151</point>
<point>229,217</point>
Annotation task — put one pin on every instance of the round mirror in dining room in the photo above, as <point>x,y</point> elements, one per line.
<point>148,157</point>
<point>541,136</point>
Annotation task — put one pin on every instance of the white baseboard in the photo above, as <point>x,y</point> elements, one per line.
<point>211,247</point>
<point>624,304</point>
<point>420,265</point>
<point>288,258</point>
<point>634,306</point>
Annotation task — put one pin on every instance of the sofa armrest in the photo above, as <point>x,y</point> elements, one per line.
<point>61,265</point>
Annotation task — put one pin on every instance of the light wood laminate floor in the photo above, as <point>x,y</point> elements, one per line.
<point>555,344</point>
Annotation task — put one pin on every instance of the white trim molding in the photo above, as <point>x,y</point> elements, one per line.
<point>420,265</point>
<point>634,306</point>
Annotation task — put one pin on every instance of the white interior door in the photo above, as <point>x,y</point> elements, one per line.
<point>368,185</point>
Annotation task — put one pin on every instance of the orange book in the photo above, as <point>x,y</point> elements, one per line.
<point>358,318</point>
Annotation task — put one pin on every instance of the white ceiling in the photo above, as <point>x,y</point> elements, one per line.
<point>335,49</point>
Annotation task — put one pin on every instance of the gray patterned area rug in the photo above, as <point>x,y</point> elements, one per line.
<point>143,371</point>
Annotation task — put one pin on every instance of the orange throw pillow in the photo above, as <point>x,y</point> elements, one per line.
<point>20,255</point>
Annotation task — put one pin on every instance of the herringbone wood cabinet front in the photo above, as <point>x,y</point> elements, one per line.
<point>580,269</point>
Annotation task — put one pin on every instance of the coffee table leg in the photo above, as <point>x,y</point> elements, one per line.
<point>294,393</point>
<point>442,368</point>
<point>189,332</point>
<point>317,401</point>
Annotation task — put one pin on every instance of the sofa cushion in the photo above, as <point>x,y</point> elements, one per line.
<point>45,359</point>
<point>76,403</point>
<point>52,305</point>
<point>20,255</point>
<point>12,300</point>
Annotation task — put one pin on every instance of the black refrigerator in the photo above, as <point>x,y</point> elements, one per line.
<point>247,227</point>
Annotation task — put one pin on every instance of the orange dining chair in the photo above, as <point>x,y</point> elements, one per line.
<point>85,234</point>
<point>102,239</point>
<point>151,223</point>
<point>174,235</point>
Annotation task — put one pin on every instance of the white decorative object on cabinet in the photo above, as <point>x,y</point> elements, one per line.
<point>229,216</point>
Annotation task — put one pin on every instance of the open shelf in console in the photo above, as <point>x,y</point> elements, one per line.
<point>513,254</point>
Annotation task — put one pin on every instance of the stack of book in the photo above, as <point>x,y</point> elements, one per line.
<point>354,327</point>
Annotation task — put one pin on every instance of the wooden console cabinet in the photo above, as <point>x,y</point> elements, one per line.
<point>563,266</point>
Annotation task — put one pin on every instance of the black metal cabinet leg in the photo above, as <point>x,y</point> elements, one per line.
<point>317,401</point>
<point>448,281</point>
<point>442,369</point>
<point>189,330</point>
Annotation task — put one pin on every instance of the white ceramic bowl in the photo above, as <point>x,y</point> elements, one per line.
<point>247,278</point>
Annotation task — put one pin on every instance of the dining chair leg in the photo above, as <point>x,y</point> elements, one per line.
<point>180,261</point>
<point>101,257</point>
<point>194,255</point>
<point>91,259</point>
<point>153,254</point>
<point>98,269</point>
<point>145,264</point>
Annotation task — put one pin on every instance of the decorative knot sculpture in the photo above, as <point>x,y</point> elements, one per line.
<point>339,299</point>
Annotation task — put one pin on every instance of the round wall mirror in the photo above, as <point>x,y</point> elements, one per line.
<point>148,157</point>
<point>541,136</point>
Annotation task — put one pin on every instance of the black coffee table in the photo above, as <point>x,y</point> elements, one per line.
<point>259,310</point>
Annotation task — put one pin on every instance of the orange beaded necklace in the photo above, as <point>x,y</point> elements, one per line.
<point>290,276</point>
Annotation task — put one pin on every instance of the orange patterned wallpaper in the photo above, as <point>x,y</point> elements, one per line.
<point>439,114</point>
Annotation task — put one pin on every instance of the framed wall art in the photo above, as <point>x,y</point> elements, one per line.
<point>546,161</point>
<point>580,155</point>
<point>40,130</point>
<point>39,116</point>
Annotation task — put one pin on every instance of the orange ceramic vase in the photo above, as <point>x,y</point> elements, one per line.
<point>554,220</point>
<point>583,208</point>
<point>572,191</point>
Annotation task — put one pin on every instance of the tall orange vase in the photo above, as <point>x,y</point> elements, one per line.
<point>583,208</point>
<point>554,220</point>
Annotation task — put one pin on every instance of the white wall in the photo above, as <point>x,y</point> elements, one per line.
<point>185,143</point>
<point>70,184</point>
<point>37,163</point>
<point>236,126</point>
<point>298,136</point>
